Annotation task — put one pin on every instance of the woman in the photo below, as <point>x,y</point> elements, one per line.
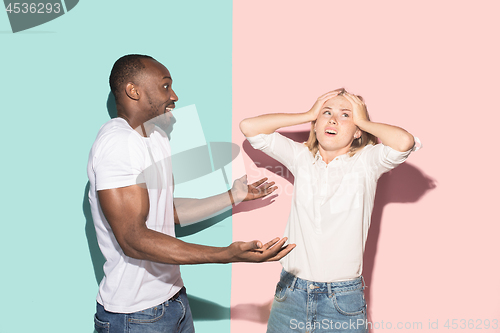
<point>336,172</point>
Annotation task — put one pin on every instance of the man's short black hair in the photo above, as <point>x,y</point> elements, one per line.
<point>125,70</point>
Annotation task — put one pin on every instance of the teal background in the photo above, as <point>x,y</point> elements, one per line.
<point>54,80</point>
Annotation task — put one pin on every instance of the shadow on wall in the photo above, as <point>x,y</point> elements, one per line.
<point>95,252</point>
<point>204,310</point>
<point>200,226</point>
<point>111,105</point>
<point>405,184</point>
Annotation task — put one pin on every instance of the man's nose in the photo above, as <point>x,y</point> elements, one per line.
<point>174,96</point>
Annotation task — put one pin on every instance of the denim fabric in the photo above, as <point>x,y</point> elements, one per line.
<point>172,316</point>
<point>307,306</point>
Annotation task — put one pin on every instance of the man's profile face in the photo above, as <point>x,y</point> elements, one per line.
<point>156,86</point>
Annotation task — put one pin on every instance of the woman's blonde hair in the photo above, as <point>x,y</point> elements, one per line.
<point>357,144</point>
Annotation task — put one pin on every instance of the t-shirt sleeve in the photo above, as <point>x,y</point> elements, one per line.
<point>279,147</point>
<point>119,160</point>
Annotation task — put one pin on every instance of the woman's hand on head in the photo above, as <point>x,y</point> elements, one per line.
<point>316,108</point>
<point>359,113</point>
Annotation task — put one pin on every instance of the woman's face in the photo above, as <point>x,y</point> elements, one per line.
<point>335,129</point>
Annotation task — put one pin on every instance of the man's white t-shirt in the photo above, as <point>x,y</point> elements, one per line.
<point>121,157</point>
<point>331,205</point>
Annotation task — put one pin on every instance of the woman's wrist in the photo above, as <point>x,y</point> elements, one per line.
<point>309,116</point>
<point>363,124</point>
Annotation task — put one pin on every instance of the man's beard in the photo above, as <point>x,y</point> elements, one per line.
<point>159,116</point>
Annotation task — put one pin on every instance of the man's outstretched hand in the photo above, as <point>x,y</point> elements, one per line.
<point>241,191</point>
<point>254,251</point>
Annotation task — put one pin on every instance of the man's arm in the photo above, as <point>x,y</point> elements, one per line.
<point>126,209</point>
<point>188,211</point>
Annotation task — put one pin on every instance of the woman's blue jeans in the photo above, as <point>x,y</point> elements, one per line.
<point>308,306</point>
<point>172,316</point>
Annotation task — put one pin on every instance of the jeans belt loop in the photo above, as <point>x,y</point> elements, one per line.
<point>175,296</point>
<point>292,286</point>
<point>363,282</point>
<point>329,286</point>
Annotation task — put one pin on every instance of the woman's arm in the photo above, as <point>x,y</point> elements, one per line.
<point>268,123</point>
<point>392,136</point>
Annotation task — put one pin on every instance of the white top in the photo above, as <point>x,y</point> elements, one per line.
<point>331,205</point>
<point>121,157</point>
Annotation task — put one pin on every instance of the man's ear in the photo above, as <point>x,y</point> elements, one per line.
<point>131,91</point>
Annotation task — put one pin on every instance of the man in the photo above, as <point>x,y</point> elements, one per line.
<point>131,198</point>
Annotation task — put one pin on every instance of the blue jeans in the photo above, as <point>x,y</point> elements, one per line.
<point>172,316</point>
<point>307,306</point>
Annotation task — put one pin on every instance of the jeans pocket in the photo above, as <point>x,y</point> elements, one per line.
<point>150,315</point>
<point>101,326</point>
<point>350,303</point>
<point>281,292</point>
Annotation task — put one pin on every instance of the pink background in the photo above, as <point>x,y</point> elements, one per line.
<point>430,67</point>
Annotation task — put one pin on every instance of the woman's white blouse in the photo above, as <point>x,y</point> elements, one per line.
<point>331,205</point>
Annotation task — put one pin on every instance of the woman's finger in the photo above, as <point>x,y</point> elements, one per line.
<point>329,95</point>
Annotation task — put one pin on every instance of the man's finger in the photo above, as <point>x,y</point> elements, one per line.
<point>270,243</point>
<point>282,252</point>
<point>266,188</point>
<point>270,190</point>
<point>263,192</point>
<point>253,245</point>
<point>259,182</point>
<point>275,248</point>
<point>280,244</point>
<point>267,185</point>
